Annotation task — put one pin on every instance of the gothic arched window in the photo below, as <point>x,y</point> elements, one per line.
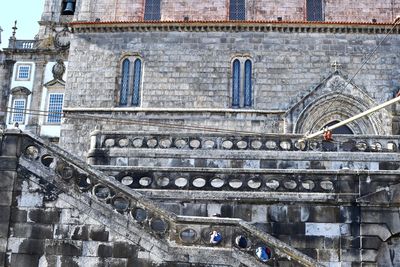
<point>136,82</point>
<point>152,10</point>
<point>123,97</point>
<point>131,81</point>
<point>242,85</point>
<point>237,10</point>
<point>247,84</point>
<point>315,10</point>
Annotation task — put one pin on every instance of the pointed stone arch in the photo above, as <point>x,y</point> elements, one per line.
<point>335,100</point>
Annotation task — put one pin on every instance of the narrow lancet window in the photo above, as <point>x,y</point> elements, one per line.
<point>136,82</point>
<point>236,84</point>
<point>123,99</point>
<point>247,84</point>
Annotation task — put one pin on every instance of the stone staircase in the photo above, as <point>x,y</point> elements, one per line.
<point>165,237</point>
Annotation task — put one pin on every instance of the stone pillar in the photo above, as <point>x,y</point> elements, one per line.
<point>9,151</point>
<point>6,67</point>
<point>37,90</point>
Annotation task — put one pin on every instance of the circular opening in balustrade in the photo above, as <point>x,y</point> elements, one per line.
<point>165,143</point>
<point>163,181</point>
<point>66,172</point>
<point>137,142</point>
<point>241,144</point>
<point>217,182</point>
<point>326,185</point>
<point>181,182</point>
<point>272,184</point>
<point>270,144</point>
<point>32,152</point>
<point>84,183</point>
<point>127,180</point>
<point>188,235</point>
<point>256,144</point>
<point>123,142</point>
<point>263,253</point>
<point>101,191</point>
<point>120,204</point>
<point>376,147</point>
<point>140,215</point>
<point>47,160</point>
<point>145,181</point>
<point>242,242</point>
<point>215,237</point>
<point>285,145</point>
<point>208,144</point>
<point>152,143</point>
<point>290,184</point>
<point>254,183</point>
<point>391,146</point>
<point>180,143</point>
<point>199,182</point>
<point>194,143</point>
<point>235,183</point>
<point>313,145</point>
<point>362,146</point>
<point>227,144</point>
<point>308,185</point>
<point>158,225</point>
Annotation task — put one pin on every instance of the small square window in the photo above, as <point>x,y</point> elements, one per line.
<point>23,72</point>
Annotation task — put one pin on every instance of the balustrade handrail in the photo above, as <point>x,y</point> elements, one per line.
<point>280,246</point>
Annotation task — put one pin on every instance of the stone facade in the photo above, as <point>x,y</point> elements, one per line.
<point>191,124</point>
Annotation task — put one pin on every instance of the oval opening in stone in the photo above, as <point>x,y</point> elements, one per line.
<point>199,182</point>
<point>194,143</point>
<point>270,144</point>
<point>137,142</point>
<point>263,253</point>
<point>32,152</point>
<point>140,215</point>
<point>165,143</point>
<point>188,235</point>
<point>391,146</point>
<point>124,142</point>
<point>66,172</point>
<point>180,143</point>
<point>208,144</point>
<point>152,143</point>
<point>217,182</point>
<point>376,146</point>
<point>241,242</point>
<point>308,185</point>
<point>84,183</point>
<point>120,203</point>
<point>241,144</point>
<point>326,185</point>
<point>145,181</point>
<point>158,225</point>
<point>227,144</point>
<point>181,182</point>
<point>127,180</point>
<point>290,184</point>
<point>256,144</point>
<point>47,160</point>
<point>285,145</point>
<point>163,181</point>
<point>109,142</point>
<point>254,183</point>
<point>362,146</point>
<point>235,183</point>
<point>273,184</point>
<point>101,191</point>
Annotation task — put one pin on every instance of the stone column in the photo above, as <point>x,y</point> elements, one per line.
<point>33,122</point>
<point>6,67</point>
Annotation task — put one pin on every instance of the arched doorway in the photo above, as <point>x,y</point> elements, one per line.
<point>344,129</point>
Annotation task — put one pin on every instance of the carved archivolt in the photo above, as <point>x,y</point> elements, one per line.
<point>336,100</point>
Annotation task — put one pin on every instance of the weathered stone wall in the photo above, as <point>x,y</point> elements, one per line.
<point>344,10</point>
<point>193,69</point>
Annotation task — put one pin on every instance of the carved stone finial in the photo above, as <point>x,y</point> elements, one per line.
<point>58,70</point>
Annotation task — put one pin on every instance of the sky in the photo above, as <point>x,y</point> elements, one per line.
<point>26,12</point>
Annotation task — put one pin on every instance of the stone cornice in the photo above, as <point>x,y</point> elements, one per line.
<point>233,26</point>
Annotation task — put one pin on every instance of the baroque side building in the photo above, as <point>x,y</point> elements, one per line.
<point>177,126</point>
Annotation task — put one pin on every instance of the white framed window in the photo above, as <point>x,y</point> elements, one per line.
<point>54,109</point>
<point>18,111</point>
<point>23,72</point>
